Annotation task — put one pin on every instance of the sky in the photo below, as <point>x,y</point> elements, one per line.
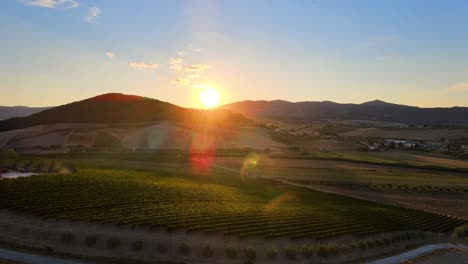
<point>411,52</point>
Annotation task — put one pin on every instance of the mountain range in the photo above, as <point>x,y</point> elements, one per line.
<point>120,108</point>
<point>373,110</point>
<point>19,111</point>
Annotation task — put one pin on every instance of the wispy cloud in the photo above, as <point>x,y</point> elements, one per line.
<point>460,87</point>
<point>197,67</point>
<point>193,76</point>
<point>176,64</point>
<point>110,54</point>
<point>182,82</point>
<point>189,48</point>
<point>142,65</point>
<point>93,13</point>
<point>52,3</point>
<point>381,41</point>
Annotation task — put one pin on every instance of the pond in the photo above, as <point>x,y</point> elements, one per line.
<point>15,174</point>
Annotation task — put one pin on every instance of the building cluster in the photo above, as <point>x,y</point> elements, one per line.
<point>403,144</point>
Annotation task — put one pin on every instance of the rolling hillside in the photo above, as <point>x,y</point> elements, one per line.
<point>118,121</point>
<point>119,108</point>
<point>374,110</point>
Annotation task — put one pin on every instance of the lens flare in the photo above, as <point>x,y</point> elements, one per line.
<point>202,152</point>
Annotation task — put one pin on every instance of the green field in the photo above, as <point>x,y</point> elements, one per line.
<point>367,176</point>
<point>211,202</point>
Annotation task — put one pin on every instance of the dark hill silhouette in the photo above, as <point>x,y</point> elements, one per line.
<point>374,110</point>
<point>121,108</point>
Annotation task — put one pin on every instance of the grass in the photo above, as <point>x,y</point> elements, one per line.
<point>211,203</point>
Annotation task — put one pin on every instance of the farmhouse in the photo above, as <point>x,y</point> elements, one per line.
<point>399,143</point>
<point>435,145</point>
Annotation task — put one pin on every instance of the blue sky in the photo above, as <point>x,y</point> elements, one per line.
<point>410,52</point>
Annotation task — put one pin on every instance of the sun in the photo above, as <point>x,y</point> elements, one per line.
<point>209,97</point>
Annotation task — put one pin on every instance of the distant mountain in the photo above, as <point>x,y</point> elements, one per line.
<point>19,111</point>
<point>121,108</point>
<point>374,110</point>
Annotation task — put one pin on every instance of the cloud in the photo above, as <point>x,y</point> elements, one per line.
<point>460,87</point>
<point>110,54</point>
<point>93,13</point>
<point>142,65</point>
<point>197,67</point>
<point>182,81</point>
<point>189,48</point>
<point>193,76</point>
<point>175,64</point>
<point>52,3</point>
<point>380,41</point>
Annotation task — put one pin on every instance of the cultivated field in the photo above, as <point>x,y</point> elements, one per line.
<point>415,133</point>
<point>246,208</point>
<point>145,205</point>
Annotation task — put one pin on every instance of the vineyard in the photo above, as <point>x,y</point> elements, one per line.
<point>233,207</point>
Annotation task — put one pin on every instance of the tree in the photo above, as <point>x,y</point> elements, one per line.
<point>400,145</point>
<point>9,154</point>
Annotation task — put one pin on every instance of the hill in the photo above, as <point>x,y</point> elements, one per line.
<point>374,110</point>
<point>19,111</point>
<point>120,108</point>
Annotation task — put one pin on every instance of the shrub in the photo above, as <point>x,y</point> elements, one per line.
<point>68,237</point>
<point>362,245</point>
<point>162,248</point>
<point>184,249</point>
<point>379,242</point>
<point>354,246</point>
<point>345,249</point>
<point>460,232</point>
<point>272,254</point>
<point>137,245</point>
<point>370,243</point>
<point>322,251</point>
<point>11,154</point>
<point>291,253</point>
<point>231,252</point>
<point>207,251</point>
<point>327,250</point>
<point>90,241</point>
<point>308,252</point>
<point>387,241</point>
<point>45,235</point>
<point>250,253</point>
<point>334,249</point>
<point>113,243</point>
